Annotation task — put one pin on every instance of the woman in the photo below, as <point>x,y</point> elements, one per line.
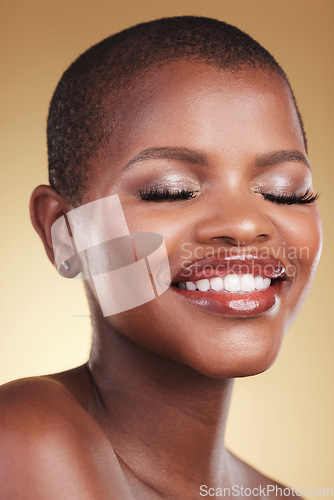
<point>187,128</point>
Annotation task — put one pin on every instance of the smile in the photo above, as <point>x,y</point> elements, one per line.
<point>231,283</point>
<point>212,286</point>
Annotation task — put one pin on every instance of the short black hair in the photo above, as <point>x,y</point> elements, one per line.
<point>80,122</point>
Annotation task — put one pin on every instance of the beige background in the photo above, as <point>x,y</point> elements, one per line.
<point>281,421</point>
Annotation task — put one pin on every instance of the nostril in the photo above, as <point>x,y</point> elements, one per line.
<point>262,237</point>
<point>229,240</point>
<point>233,241</point>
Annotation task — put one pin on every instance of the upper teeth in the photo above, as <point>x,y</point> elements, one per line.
<point>230,283</point>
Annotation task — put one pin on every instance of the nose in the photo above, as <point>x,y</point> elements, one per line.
<point>235,221</point>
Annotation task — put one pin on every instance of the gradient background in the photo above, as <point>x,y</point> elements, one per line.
<point>280,421</point>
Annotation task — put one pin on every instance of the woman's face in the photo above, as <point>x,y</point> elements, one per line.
<point>225,143</point>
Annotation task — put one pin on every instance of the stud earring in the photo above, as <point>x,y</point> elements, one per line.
<point>65,265</point>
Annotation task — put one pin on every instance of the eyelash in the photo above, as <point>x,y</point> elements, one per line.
<point>165,194</point>
<point>292,199</point>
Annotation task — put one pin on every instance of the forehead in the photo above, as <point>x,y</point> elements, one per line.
<point>230,117</point>
<point>196,101</point>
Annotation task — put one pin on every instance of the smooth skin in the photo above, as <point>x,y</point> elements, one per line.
<point>145,417</point>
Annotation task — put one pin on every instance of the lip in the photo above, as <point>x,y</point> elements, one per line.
<point>235,304</point>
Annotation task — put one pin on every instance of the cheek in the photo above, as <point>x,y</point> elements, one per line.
<point>174,225</point>
<point>303,238</point>
<point>301,232</point>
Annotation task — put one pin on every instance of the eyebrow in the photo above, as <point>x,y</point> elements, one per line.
<point>198,157</point>
<point>164,153</point>
<point>283,156</point>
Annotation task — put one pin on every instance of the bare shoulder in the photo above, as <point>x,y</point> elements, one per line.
<point>50,446</point>
<point>37,404</point>
<point>262,486</point>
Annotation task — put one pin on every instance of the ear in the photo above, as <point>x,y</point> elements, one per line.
<point>46,207</point>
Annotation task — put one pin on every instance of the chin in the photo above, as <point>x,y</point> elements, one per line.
<point>243,361</point>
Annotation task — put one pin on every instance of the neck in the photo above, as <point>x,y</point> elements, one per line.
<point>160,414</point>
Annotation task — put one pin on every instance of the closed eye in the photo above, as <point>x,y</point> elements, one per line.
<point>165,194</point>
<point>292,199</point>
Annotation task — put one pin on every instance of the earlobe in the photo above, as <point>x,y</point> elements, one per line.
<point>46,207</point>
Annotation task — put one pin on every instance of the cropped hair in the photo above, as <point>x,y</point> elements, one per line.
<point>83,109</point>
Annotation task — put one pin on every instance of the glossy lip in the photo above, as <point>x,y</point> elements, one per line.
<point>236,304</point>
